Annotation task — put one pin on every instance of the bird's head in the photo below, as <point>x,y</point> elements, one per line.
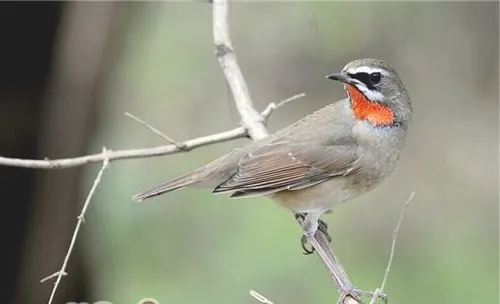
<point>376,92</point>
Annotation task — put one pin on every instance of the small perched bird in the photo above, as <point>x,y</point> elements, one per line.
<point>327,158</point>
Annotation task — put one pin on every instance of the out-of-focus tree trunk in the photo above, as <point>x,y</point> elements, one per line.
<point>28,32</point>
<point>67,119</point>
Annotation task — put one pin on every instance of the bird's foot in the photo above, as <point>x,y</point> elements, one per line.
<point>310,230</point>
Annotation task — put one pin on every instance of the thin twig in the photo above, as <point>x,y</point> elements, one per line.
<point>260,297</point>
<point>80,221</point>
<point>395,233</point>
<point>153,129</point>
<point>238,132</point>
<point>395,237</point>
<point>49,277</point>
<point>274,106</point>
<point>63,163</point>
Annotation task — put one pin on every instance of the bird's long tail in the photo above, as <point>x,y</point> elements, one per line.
<point>171,185</point>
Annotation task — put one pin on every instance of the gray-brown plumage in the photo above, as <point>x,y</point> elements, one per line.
<point>322,160</point>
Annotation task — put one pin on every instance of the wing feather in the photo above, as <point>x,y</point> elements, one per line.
<point>284,165</point>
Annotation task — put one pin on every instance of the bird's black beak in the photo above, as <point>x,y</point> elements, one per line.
<point>342,77</point>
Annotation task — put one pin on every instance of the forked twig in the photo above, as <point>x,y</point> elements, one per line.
<point>63,163</point>
<point>274,106</point>
<point>154,130</point>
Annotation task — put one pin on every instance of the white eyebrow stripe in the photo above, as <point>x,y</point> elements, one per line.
<point>365,69</point>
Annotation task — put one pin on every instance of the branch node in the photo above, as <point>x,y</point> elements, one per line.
<point>222,49</point>
<point>54,275</point>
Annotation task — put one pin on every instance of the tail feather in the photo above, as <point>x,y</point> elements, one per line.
<point>171,185</point>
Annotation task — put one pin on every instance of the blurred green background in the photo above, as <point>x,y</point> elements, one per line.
<point>193,247</point>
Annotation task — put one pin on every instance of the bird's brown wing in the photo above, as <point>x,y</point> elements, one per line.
<point>283,165</point>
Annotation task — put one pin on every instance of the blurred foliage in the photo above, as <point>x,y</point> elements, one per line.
<point>193,247</point>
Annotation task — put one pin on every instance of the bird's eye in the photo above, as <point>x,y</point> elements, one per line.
<point>375,78</point>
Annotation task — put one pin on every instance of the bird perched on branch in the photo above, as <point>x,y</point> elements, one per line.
<point>327,158</point>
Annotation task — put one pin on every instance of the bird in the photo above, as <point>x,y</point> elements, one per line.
<point>329,157</point>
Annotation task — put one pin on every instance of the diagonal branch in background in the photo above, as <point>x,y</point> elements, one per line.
<point>81,219</point>
<point>379,291</point>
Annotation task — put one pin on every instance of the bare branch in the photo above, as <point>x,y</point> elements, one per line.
<point>154,130</point>
<point>395,237</point>
<point>125,154</point>
<point>175,147</point>
<point>335,269</point>
<point>376,296</point>
<point>50,277</point>
<point>81,219</point>
<point>250,118</point>
<point>274,106</point>
<point>395,233</point>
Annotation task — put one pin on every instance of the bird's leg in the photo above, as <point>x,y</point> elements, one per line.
<point>320,225</point>
<point>340,276</point>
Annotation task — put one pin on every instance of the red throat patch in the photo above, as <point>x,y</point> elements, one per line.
<point>363,109</point>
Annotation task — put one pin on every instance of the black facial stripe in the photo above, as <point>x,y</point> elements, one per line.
<point>364,78</point>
